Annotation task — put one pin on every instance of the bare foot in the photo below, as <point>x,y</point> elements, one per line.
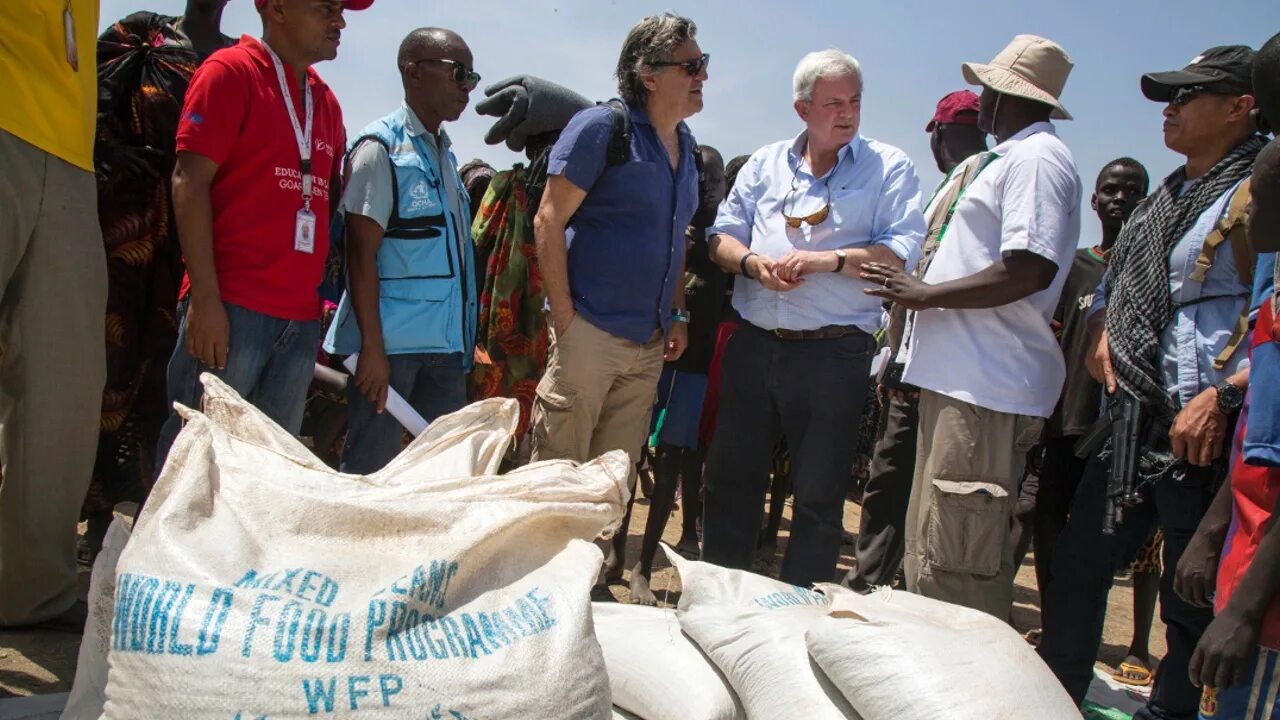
<point>612,569</point>
<point>640,592</point>
<point>688,548</point>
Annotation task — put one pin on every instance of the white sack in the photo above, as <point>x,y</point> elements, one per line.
<point>898,656</point>
<point>88,690</point>
<point>752,627</point>
<point>655,671</point>
<point>259,583</point>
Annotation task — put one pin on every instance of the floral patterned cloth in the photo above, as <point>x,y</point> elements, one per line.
<point>512,330</point>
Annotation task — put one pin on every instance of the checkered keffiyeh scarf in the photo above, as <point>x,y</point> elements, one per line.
<point>1139,303</point>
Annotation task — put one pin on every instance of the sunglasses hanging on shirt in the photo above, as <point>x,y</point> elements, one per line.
<point>813,218</point>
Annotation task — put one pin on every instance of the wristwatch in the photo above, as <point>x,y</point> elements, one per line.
<point>1230,397</point>
<point>681,316</point>
<point>840,256</point>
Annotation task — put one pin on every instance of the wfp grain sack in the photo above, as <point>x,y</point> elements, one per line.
<point>259,583</point>
<point>655,671</point>
<point>752,627</point>
<point>898,656</point>
<point>88,690</point>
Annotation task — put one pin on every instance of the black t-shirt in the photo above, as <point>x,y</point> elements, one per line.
<point>705,284</point>
<point>1081,398</point>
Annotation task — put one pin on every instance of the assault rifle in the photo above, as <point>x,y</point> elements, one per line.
<point>1122,423</point>
<point>1125,413</point>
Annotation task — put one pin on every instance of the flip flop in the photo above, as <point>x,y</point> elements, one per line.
<point>1132,675</point>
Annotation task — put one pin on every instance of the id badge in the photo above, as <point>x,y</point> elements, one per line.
<point>304,232</point>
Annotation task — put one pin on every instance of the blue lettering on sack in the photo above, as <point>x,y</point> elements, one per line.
<point>321,694</point>
<point>149,613</point>
<point>285,616</point>
<point>797,596</point>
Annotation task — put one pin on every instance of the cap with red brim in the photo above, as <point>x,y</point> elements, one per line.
<point>346,4</point>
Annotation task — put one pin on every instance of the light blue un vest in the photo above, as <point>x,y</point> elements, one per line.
<point>425,264</point>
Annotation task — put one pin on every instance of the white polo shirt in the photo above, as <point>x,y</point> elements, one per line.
<point>1004,358</point>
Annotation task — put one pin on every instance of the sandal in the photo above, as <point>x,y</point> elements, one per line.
<point>1134,674</point>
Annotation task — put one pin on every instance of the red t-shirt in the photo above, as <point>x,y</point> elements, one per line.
<point>234,115</point>
<point>1254,490</point>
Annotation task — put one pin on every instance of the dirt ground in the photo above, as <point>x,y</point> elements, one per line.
<point>37,663</point>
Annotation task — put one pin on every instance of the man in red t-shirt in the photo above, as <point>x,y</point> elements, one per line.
<point>259,145</point>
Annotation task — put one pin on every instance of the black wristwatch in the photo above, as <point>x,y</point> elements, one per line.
<point>840,257</point>
<point>1230,397</point>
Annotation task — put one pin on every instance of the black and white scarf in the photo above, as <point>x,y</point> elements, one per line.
<point>1139,303</point>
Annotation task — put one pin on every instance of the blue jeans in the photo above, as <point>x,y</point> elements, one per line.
<point>433,383</point>
<point>270,363</point>
<point>1248,701</point>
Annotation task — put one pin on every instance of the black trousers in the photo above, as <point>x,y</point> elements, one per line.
<point>881,531</point>
<point>1084,562</point>
<point>811,392</point>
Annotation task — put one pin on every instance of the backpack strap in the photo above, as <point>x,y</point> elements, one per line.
<point>619,150</point>
<point>1231,228</point>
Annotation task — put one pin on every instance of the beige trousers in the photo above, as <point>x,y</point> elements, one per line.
<point>596,395</point>
<point>52,369</point>
<point>969,461</point>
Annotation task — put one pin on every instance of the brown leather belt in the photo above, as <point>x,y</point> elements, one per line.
<point>823,333</point>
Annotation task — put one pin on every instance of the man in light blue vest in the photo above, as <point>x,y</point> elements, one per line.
<point>410,306</point>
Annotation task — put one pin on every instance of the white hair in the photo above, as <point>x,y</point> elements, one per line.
<point>822,64</point>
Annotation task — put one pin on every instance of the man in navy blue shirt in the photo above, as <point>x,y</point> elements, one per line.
<point>610,241</point>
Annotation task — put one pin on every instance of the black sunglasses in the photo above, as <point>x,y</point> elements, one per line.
<point>693,67</point>
<point>462,74</point>
<point>1187,93</point>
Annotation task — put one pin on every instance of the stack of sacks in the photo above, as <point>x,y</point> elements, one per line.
<point>898,656</point>
<point>88,690</point>
<point>753,628</point>
<point>655,671</point>
<point>260,583</point>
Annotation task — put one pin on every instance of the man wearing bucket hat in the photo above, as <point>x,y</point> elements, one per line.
<point>981,348</point>
<point>1166,335</point>
<point>957,144</point>
<point>259,143</point>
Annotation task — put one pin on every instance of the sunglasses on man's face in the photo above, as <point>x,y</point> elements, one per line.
<point>1187,93</point>
<point>693,67</point>
<point>462,74</point>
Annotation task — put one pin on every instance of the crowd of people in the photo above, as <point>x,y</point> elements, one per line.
<point>1106,407</point>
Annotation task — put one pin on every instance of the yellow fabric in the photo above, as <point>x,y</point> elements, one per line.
<point>47,103</point>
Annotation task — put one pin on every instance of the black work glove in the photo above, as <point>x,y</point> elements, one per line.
<point>527,106</point>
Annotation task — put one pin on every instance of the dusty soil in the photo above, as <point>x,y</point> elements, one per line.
<point>36,663</point>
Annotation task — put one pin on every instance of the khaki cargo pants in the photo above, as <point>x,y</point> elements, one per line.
<point>52,368</point>
<point>969,461</point>
<point>596,395</point>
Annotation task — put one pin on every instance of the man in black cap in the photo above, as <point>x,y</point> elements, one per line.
<point>1166,331</point>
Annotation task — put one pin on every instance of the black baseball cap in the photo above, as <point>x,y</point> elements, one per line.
<point>1227,69</point>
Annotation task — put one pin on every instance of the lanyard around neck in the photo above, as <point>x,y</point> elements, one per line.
<point>302,136</point>
<point>960,195</point>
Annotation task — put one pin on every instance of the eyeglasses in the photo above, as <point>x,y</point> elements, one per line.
<point>462,74</point>
<point>1186,94</point>
<point>693,67</point>
<point>815,217</point>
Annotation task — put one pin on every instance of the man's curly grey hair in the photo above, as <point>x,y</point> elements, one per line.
<point>652,40</point>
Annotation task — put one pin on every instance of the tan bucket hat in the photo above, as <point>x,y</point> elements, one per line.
<point>1030,67</point>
